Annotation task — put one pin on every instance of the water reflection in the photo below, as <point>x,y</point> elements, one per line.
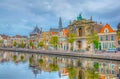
<point>73,68</point>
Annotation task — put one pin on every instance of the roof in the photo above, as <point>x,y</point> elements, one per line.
<point>108,27</point>
<point>97,27</point>
<point>65,32</point>
<point>54,33</point>
<point>17,36</point>
<point>36,31</point>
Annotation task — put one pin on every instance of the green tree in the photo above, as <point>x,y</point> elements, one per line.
<point>31,44</point>
<point>118,34</point>
<point>15,43</point>
<point>71,39</point>
<point>54,41</point>
<point>40,44</point>
<point>1,41</point>
<point>94,39</point>
<point>22,45</point>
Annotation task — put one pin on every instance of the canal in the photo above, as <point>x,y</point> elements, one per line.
<point>14,65</point>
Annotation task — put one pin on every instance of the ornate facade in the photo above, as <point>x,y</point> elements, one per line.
<point>82,28</point>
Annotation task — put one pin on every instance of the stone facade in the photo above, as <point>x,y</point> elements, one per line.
<point>81,28</point>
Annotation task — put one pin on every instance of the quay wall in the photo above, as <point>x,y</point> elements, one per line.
<point>63,53</point>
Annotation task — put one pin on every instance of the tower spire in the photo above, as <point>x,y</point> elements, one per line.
<point>60,23</point>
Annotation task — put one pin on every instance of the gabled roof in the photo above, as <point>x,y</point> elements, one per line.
<point>108,27</point>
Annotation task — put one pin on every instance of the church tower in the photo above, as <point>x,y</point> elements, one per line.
<point>60,24</point>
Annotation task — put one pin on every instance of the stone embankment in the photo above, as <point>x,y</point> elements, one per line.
<point>106,56</point>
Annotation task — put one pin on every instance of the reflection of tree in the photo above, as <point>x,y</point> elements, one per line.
<point>54,67</point>
<point>92,74</point>
<point>31,60</point>
<point>96,65</point>
<point>72,72</point>
<point>40,61</point>
<point>22,58</point>
<point>14,57</point>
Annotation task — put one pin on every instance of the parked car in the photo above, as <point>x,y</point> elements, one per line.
<point>112,50</point>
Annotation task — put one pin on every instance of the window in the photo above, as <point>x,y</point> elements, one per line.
<point>106,38</point>
<point>119,42</point>
<point>106,30</point>
<point>101,38</point>
<point>112,37</point>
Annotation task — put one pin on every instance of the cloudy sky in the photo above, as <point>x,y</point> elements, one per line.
<point>21,16</point>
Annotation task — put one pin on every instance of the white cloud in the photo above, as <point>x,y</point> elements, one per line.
<point>25,13</point>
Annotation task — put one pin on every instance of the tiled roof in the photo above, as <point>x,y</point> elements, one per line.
<point>65,32</point>
<point>54,33</point>
<point>108,27</point>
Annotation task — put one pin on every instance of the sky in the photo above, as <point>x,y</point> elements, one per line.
<point>21,16</point>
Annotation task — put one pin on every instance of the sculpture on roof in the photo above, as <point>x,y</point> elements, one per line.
<point>79,17</point>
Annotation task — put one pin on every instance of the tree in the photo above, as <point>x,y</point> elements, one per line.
<point>54,41</point>
<point>40,44</point>
<point>94,39</point>
<point>22,45</point>
<point>15,43</point>
<point>1,41</point>
<point>71,39</point>
<point>31,43</point>
<point>118,34</point>
<point>118,31</point>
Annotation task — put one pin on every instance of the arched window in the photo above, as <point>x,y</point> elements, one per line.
<point>106,30</point>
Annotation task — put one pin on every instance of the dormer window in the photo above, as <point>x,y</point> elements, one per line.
<point>106,30</point>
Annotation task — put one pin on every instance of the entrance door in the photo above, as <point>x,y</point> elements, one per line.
<point>79,44</point>
<point>80,31</point>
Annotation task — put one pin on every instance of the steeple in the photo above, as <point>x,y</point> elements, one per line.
<point>60,23</point>
<point>91,18</point>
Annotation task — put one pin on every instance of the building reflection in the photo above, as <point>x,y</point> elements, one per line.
<point>74,68</point>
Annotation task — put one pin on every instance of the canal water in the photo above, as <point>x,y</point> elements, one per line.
<point>14,65</point>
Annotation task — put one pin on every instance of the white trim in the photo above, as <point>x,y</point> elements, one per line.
<point>107,33</point>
